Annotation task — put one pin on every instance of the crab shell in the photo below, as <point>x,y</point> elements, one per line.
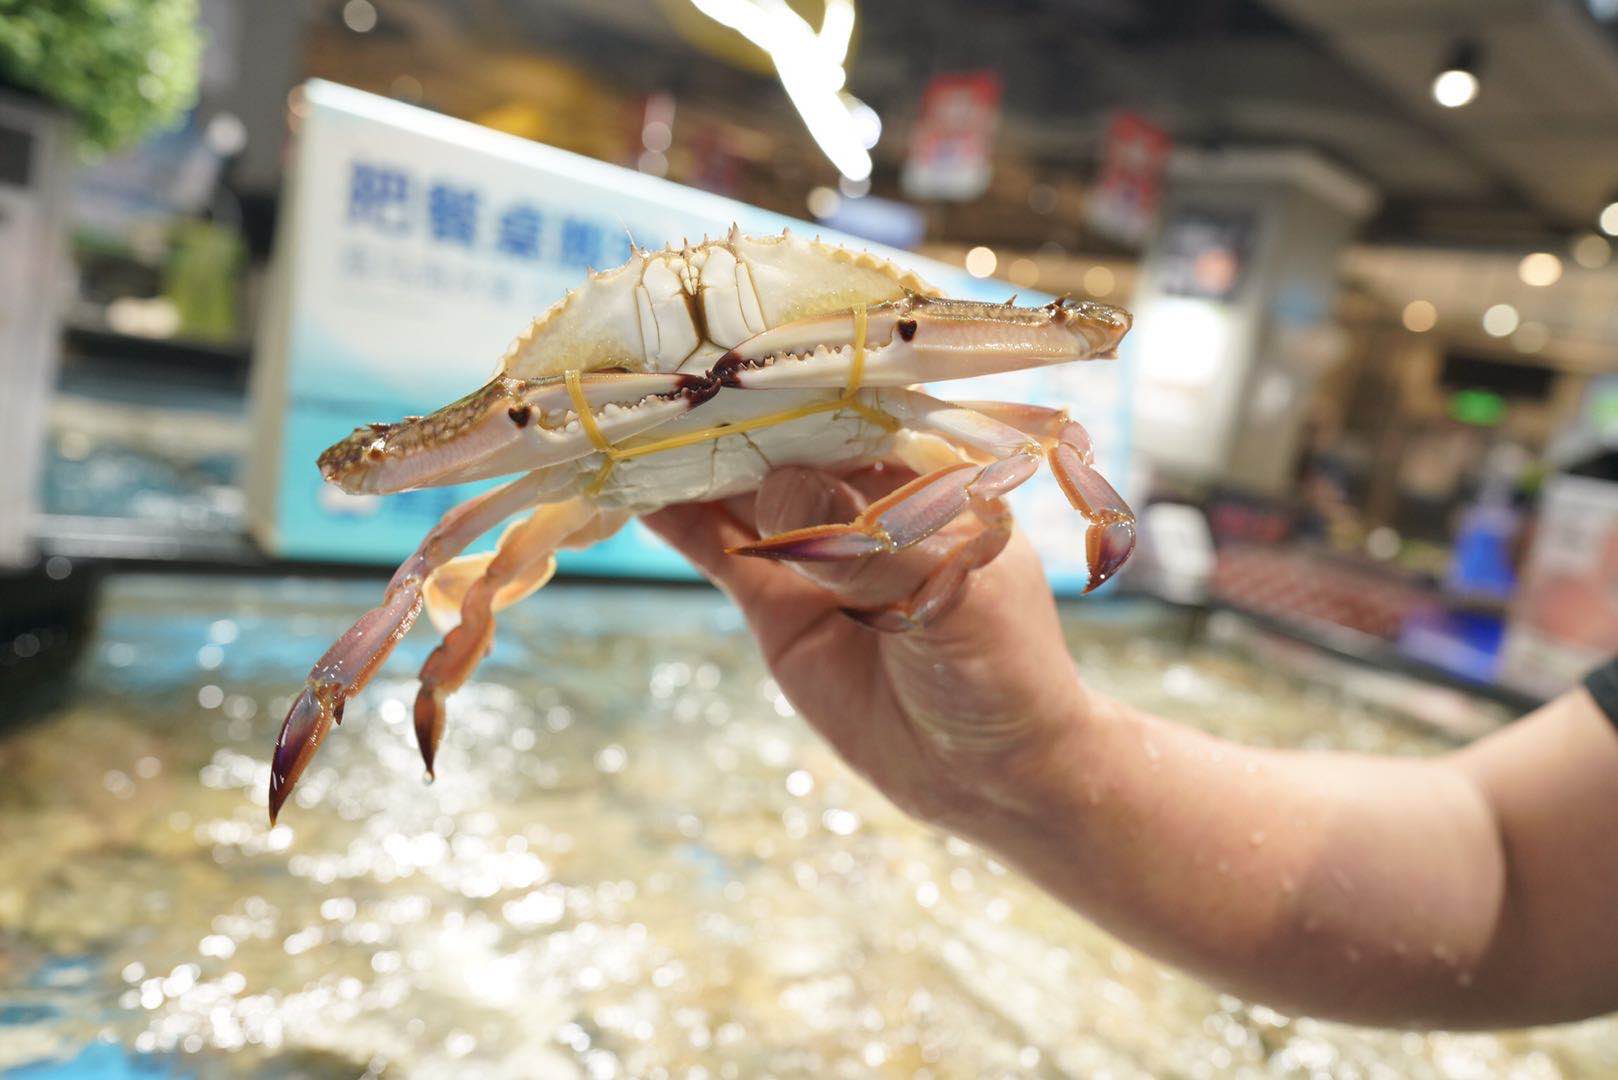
<point>680,310</point>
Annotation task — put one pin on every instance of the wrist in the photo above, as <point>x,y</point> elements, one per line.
<point>1018,773</point>
<point>1048,774</point>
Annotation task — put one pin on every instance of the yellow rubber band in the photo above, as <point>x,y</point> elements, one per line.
<point>581,406</point>
<point>600,480</point>
<point>875,416</point>
<point>856,376</point>
<point>848,400</point>
<point>856,369</point>
<point>691,438</point>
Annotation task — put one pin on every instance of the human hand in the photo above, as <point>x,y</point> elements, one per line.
<point>950,720</point>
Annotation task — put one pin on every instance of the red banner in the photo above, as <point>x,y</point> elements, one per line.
<point>951,148</point>
<point>1123,203</point>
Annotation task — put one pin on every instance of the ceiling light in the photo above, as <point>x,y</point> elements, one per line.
<point>866,122</point>
<point>810,65</point>
<point>1609,219</point>
<point>1456,83</point>
<point>1540,269</point>
<point>824,202</point>
<point>1500,320</point>
<point>359,16</point>
<point>225,134</point>
<point>657,136</point>
<point>1023,272</point>
<point>1420,316</point>
<point>1453,89</point>
<point>980,262</point>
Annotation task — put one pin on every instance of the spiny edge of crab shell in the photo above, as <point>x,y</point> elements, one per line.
<point>607,333</point>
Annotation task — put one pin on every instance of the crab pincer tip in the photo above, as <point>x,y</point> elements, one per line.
<point>818,543</point>
<point>1108,545</point>
<point>429,716</point>
<point>307,722</point>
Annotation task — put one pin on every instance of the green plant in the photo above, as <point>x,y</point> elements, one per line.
<point>122,67</point>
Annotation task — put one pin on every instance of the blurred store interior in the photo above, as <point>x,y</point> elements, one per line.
<point>1373,320</point>
<point>1368,413</point>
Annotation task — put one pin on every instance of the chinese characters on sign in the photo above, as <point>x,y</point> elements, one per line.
<point>452,214</point>
<point>519,230</point>
<point>388,202</point>
<point>379,197</point>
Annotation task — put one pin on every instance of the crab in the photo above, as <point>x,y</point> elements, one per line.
<point>688,374</point>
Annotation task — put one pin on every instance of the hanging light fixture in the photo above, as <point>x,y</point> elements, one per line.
<point>810,64</point>
<point>1608,218</point>
<point>1456,83</point>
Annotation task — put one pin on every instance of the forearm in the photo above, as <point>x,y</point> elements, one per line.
<point>1471,890</point>
<point>1358,888</point>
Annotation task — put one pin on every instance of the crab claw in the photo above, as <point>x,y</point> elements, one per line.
<point>921,340</point>
<point>508,425</point>
<point>1111,536</point>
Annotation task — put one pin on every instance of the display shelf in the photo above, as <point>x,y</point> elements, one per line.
<point>1374,652</point>
<point>130,540</point>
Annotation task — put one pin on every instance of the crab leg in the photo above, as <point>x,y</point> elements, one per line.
<point>1067,448</point>
<point>928,503</point>
<point>349,664</point>
<point>931,501</point>
<point>1049,426</point>
<point>901,518</point>
<point>445,590</point>
<point>522,563</point>
<point>942,587</point>
<point>1111,536</point>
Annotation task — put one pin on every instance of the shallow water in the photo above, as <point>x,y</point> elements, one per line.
<point>636,861</point>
